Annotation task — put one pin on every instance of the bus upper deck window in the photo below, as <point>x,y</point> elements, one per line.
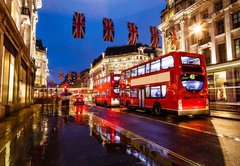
<point>134,72</point>
<point>141,70</point>
<point>190,60</point>
<point>128,74</point>
<point>155,65</point>
<point>167,62</point>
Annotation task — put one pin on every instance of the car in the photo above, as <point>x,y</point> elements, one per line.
<point>78,100</point>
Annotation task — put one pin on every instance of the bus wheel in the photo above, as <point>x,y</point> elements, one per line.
<point>157,109</point>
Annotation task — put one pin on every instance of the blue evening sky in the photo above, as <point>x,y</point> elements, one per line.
<point>66,54</point>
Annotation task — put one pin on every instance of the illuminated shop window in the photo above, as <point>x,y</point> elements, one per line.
<point>11,78</point>
<point>220,79</point>
<point>237,48</point>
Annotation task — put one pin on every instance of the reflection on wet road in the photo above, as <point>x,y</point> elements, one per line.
<point>77,137</point>
<point>82,135</point>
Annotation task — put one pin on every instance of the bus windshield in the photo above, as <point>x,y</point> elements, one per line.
<point>192,82</point>
<point>190,60</point>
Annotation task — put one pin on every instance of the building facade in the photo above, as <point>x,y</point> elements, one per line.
<point>42,72</point>
<point>17,44</point>
<point>116,59</point>
<point>212,28</point>
<point>41,62</point>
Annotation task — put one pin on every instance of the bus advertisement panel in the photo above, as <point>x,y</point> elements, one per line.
<point>174,82</point>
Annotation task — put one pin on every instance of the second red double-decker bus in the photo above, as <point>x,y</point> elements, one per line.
<point>107,90</point>
<point>174,82</point>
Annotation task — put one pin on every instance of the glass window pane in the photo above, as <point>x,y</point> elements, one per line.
<point>147,67</point>
<point>128,74</point>
<point>134,72</point>
<point>167,62</point>
<point>155,65</point>
<point>155,91</point>
<point>190,60</point>
<point>133,92</point>
<point>164,90</point>
<point>141,70</point>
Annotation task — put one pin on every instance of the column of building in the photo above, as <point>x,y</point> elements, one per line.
<point>2,110</point>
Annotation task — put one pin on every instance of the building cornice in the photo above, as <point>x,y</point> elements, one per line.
<point>182,14</point>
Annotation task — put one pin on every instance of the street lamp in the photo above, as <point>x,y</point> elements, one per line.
<point>197,30</point>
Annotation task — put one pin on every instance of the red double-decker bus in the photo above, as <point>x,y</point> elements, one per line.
<point>107,90</point>
<point>174,82</point>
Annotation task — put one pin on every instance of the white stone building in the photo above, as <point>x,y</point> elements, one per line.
<point>212,28</point>
<point>18,20</point>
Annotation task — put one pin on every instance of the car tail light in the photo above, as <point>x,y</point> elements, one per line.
<point>180,105</point>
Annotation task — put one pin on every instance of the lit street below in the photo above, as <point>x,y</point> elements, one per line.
<point>92,135</point>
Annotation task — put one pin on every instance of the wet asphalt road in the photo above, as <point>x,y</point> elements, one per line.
<point>207,141</point>
<point>61,137</point>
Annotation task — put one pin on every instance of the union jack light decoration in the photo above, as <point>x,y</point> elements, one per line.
<point>132,33</point>
<point>78,76</point>
<point>60,75</point>
<point>69,76</point>
<point>108,30</point>
<point>154,37</point>
<point>78,25</point>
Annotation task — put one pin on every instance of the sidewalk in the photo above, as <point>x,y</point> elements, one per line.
<point>11,125</point>
<point>225,110</point>
<point>225,114</point>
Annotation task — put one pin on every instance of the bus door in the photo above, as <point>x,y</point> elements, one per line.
<point>141,98</point>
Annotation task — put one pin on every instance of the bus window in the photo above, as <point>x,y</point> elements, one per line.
<point>141,70</point>
<point>190,60</point>
<point>192,82</point>
<point>155,65</point>
<point>147,67</point>
<point>156,91</point>
<point>167,62</point>
<point>134,72</point>
<point>123,76</point>
<point>116,89</point>
<point>108,79</point>
<point>164,90</point>
<point>133,92</point>
<point>128,74</point>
